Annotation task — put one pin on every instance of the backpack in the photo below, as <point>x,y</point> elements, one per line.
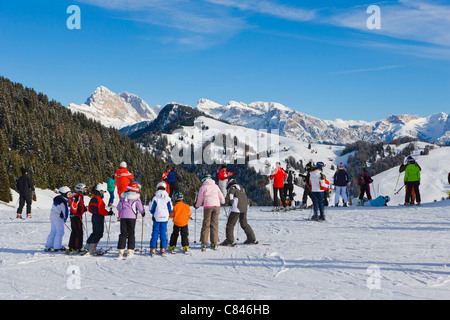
<point>171,177</point>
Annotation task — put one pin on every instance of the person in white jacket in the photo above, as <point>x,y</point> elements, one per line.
<point>160,208</point>
<point>58,217</point>
<point>318,186</point>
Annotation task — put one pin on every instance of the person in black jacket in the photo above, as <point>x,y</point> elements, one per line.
<point>289,183</point>
<point>25,187</point>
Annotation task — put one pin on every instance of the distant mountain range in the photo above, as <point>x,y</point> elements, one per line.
<point>130,113</point>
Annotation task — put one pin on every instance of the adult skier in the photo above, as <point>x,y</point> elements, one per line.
<point>129,207</point>
<point>412,181</point>
<point>401,169</point>
<point>25,187</point>
<point>173,180</point>
<point>77,209</point>
<point>289,183</point>
<point>98,210</point>
<point>210,197</point>
<point>223,175</point>
<point>111,187</point>
<point>340,180</point>
<point>318,186</point>
<point>306,180</point>
<point>278,175</point>
<point>58,217</point>
<point>364,181</point>
<point>164,179</point>
<point>237,200</point>
<point>123,178</point>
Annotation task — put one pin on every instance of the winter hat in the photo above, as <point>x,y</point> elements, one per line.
<point>134,187</point>
<point>23,170</point>
<point>341,166</point>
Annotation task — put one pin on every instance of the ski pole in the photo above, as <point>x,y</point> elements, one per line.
<point>195,226</point>
<point>400,189</point>
<point>67,227</point>
<point>142,232</point>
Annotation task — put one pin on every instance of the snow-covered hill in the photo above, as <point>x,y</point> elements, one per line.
<point>300,126</point>
<point>265,149</point>
<point>359,253</point>
<point>116,110</point>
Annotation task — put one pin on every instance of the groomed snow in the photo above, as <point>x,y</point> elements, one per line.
<point>337,259</point>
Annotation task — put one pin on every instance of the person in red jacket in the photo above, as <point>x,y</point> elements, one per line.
<point>77,209</point>
<point>98,209</point>
<point>164,179</point>
<point>278,176</point>
<point>223,175</point>
<point>123,178</point>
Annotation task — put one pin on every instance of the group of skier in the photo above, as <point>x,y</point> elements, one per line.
<point>167,203</point>
<point>317,187</point>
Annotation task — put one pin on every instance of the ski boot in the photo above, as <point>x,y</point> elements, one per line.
<point>186,249</point>
<point>130,253</point>
<point>214,245</point>
<point>203,246</point>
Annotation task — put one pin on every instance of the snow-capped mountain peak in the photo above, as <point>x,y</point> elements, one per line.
<point>116,110</point>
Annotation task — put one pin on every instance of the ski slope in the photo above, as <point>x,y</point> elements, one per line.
<point>359,253</point>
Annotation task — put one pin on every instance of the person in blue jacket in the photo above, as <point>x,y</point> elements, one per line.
<point>378,202</point>
<point>58,217</point>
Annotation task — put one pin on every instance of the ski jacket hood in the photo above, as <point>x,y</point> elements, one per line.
<point>130,205</point>
<point>161,206</point>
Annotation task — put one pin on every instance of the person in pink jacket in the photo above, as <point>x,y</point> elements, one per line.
<point>211,198</point>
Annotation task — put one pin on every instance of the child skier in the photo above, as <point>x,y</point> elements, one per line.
<point>77,209</point>
<point>129,206</point>
<point>238,201</point>
<point>181,214</point>
<point>160,208</point>
<point>97,209</point>
<point>318,186</point>
<point>58,217</point>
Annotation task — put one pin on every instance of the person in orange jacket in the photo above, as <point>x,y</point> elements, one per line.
<point>123,178</point>
<point>278,176</point>
<point>181,214</point>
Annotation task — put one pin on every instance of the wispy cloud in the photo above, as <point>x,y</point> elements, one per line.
<point>270,8</point>
<point>412,20</point>
<point>195,20</point>
<point>366,70</point>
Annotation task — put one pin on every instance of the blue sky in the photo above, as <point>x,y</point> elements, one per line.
<point>316,57</point>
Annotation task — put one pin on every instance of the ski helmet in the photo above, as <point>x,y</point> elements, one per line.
<point>230,183</point>
<point>161,185</point>
<point>64,190</point>
<point>134,187</point>
<point>206,176</point>
<point>123,164</point>
<point>178,196</point>
<point>320,165</point>
<point>410,159</point>
<point>81,188</point>
<point>100,188</point>
<point>387,198</point>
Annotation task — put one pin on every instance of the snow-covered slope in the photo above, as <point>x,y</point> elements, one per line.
<point>389,253</point>
<point>116,110</point>
<point>300,126</point>
<point>272,148</point>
